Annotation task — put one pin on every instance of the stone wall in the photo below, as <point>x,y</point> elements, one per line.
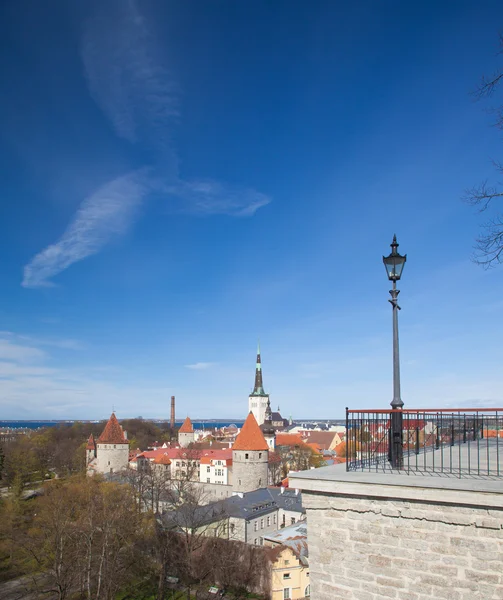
<point>364,548</point>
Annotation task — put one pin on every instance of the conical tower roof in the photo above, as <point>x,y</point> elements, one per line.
<point>250,437</point>
<point>91,444</point>
<point>113,433</point>
<point>187,426</point>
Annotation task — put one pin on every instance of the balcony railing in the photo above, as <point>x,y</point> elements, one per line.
<point>456,442</point>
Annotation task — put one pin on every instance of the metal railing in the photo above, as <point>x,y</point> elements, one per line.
<point>457,442</point>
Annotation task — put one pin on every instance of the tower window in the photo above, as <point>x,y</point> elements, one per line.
<point>260,454</point>
<point>246,456</point>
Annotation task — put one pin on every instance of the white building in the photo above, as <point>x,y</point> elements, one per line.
<point>216,466</point>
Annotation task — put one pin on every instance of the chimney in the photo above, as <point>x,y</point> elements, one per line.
<point>172,423</point>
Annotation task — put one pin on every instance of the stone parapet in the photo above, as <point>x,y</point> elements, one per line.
<point>429,540</point>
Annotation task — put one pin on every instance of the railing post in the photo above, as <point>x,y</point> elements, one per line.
<point>417,440</point>
<point>397,439</point>
<point>348,446</point>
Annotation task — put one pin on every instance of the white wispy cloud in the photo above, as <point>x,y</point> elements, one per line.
<point>106,213</point>
<point>126,74</point>
<point>212,197</point>
<point>200,366</point>
<point>17,352</point>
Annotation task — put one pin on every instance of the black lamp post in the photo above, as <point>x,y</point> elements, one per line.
<point>394,264</point>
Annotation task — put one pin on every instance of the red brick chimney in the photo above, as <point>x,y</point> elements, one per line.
<point>172,424</point>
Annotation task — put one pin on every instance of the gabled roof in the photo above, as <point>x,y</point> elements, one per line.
<point>91,444</point>
<point>250,437</point>
<point>324,439</point>
<point>187,426</point>
<point>113,433</point>
<point>163,459</point>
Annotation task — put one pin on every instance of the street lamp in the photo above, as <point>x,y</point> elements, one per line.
<point>394,264</point>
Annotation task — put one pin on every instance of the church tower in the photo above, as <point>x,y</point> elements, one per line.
<point>250,458</point>
<point>258,399</point>
<point>267,427</point>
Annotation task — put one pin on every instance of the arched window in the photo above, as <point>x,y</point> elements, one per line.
<point>246,456</point>
<point>308,591</point>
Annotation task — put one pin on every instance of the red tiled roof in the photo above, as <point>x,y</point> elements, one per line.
<point>91,445</point>
<point>208,455</point>
<point>288,439</point>
<point>250,437</point>
<point>163,459</point>
<point>187,426</point>
<point>112,434</point>
<point>172,453</point>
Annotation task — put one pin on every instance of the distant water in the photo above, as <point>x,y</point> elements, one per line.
<point>38,424</point>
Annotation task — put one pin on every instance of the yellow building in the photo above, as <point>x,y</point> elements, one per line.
<point>289,563</point>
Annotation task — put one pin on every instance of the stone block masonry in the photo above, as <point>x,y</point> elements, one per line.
<point>370,548</point>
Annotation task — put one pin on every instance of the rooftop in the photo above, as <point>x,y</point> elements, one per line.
<point>186,426</point>
<point>250,437</point>
<point>113,433</point>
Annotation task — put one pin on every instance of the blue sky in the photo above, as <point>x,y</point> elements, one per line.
<point>181,178</point>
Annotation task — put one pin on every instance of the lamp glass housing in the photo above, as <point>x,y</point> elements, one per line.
<point>394,262</point>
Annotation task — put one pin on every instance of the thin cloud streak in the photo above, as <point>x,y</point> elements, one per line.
<point>125,75</point>
<point>105,214</point>
<point>200,366</point>
<point>212,198</point>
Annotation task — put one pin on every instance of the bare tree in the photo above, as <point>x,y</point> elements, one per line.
<point>489,244</point>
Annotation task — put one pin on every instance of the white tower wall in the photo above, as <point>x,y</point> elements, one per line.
<point>112,458</point>
<point>257,405</point>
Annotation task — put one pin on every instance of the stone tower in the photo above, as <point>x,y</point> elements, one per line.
<point>258,399</point>
<point>112,448</point>
<point>250,458</point>
<point>186,433</point>
<point>90,449</point>
<point>267,427</point>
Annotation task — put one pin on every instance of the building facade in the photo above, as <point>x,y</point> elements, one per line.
<point>216,467</point>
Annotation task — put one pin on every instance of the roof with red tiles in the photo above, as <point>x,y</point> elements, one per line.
<point>208,455</point>
<point>172,453</point>
<point>91,444</point>
<point>250,437</point>
<point>187,426</point>
<point>163,459</point>
<point>113,433</point>
<point>288,439</point>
